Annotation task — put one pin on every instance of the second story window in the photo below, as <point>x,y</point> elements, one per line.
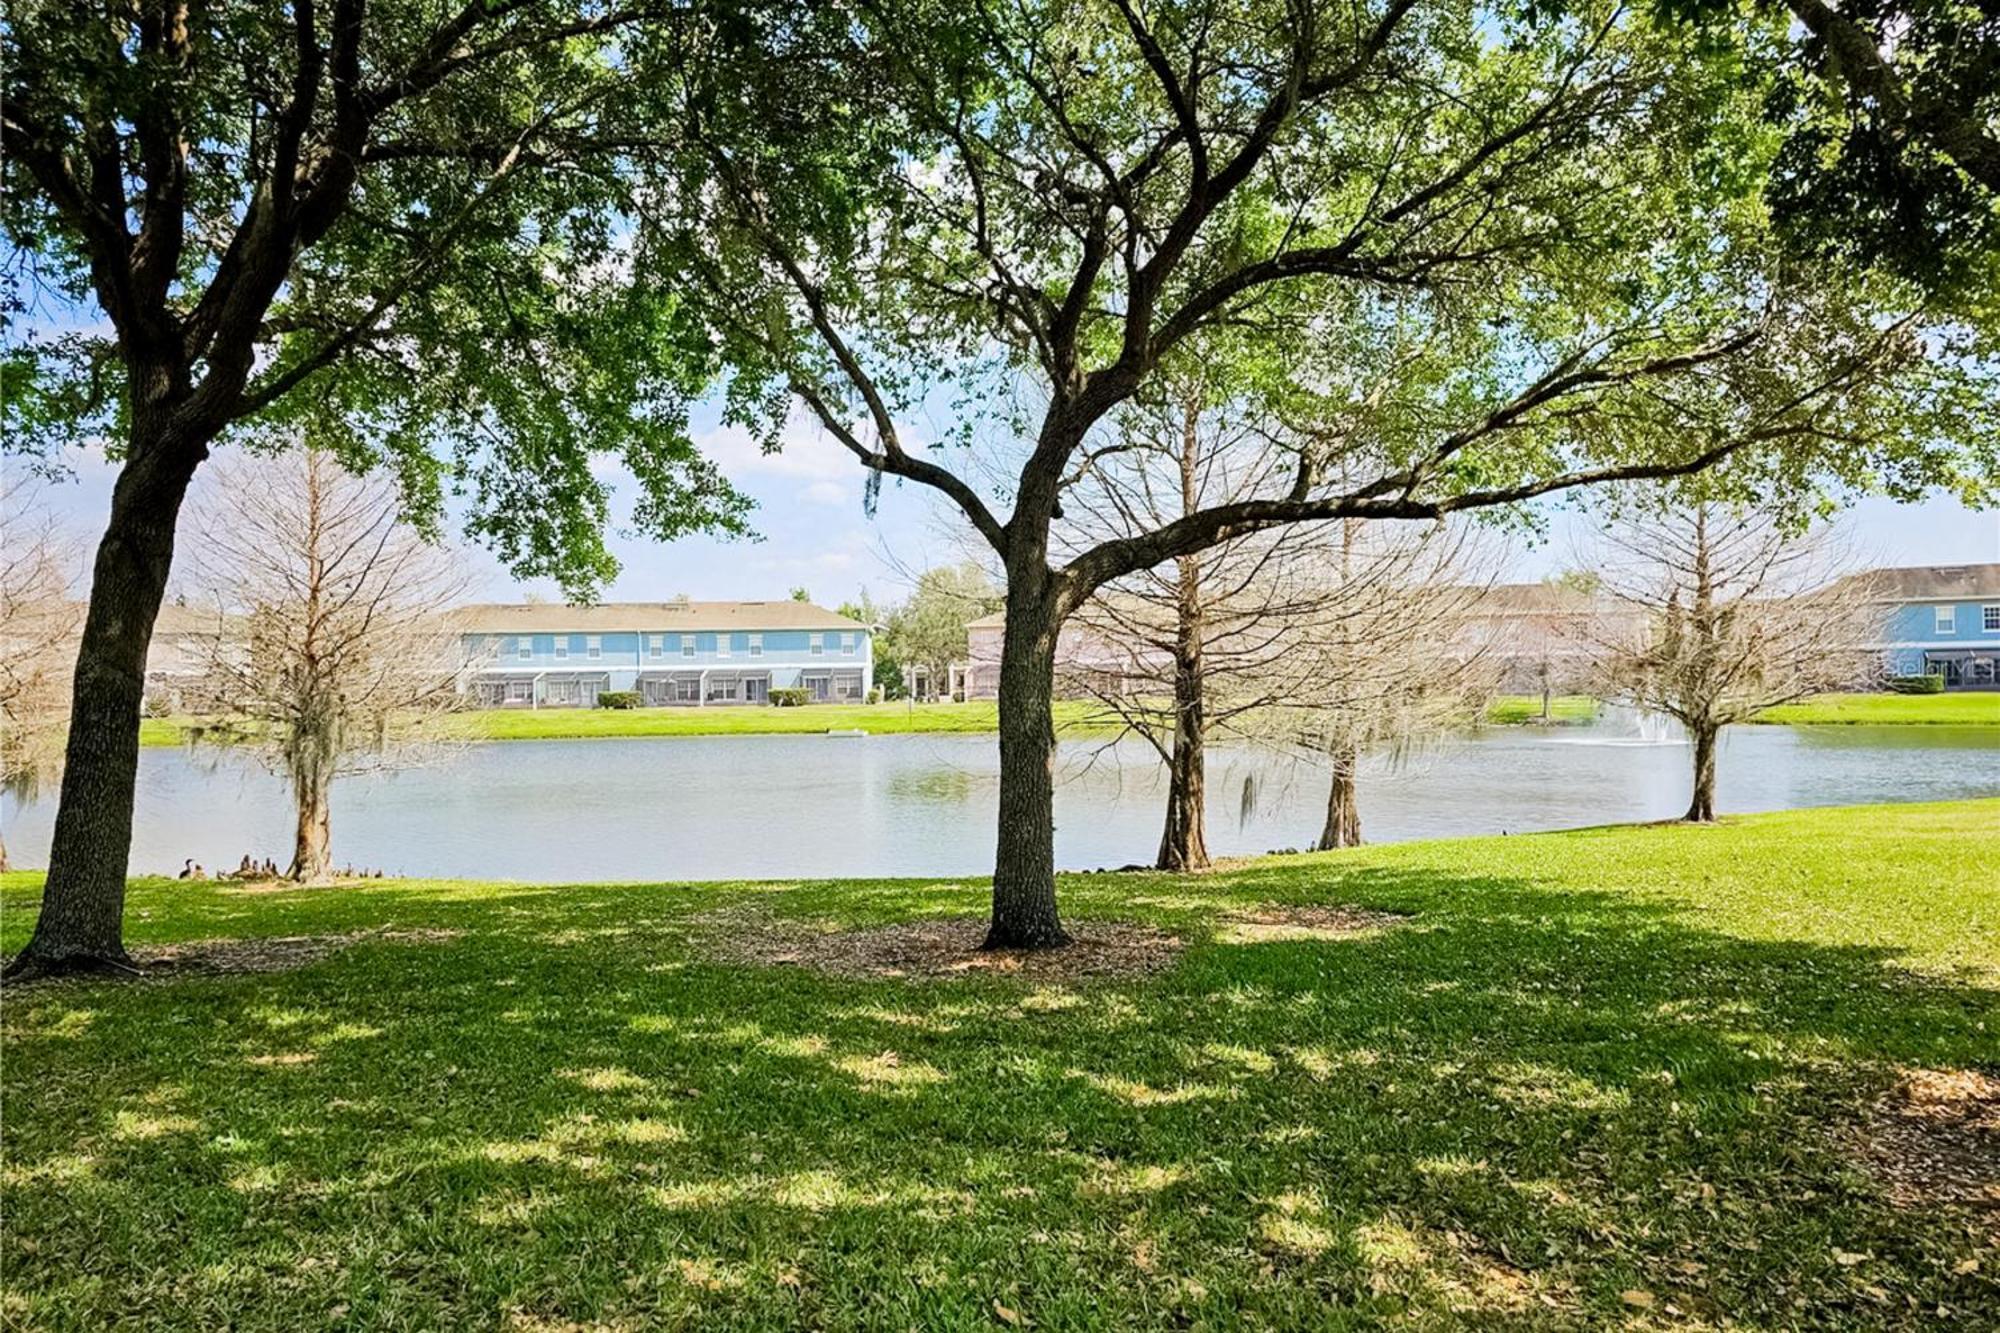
<point>722,645</point>
<point>815,644</point>
<point>687,645</point>
<point>593,647</point>
<point>847,645</point>
<point>1946,619</point>
<point>524,647</point>
<point>656,645</point>
<point>1989,619</point>
<point>562,647</point>
<point>757,640</point>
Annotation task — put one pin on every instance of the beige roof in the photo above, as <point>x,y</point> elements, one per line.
<point>1932,583</point>
<point>649,617</point>
<point>998,620</point>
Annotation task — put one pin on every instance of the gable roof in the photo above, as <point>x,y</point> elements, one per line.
<point>649,617</point>
<point>1931,583</point>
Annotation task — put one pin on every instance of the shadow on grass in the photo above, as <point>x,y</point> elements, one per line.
<point>1528,1106</point>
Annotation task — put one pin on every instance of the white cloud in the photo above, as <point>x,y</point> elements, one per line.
<point>807,454</point>
<point>826,493</point>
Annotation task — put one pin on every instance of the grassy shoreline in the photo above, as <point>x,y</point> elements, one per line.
<point>1597,1074</point>
<point>884,719</point>
<point>1083,718</point>
<point>1960,709</point>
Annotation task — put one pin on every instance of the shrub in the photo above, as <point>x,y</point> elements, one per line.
<point>790,697</point>
<point>1925,684</point>
<point>875,695</point>
<point>618,699</point>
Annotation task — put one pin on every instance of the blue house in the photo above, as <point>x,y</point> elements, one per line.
<point>1942,620</point>
<point>673,654</point>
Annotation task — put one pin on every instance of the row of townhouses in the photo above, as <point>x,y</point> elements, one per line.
<point>682,654</point>
<point>672,654</point>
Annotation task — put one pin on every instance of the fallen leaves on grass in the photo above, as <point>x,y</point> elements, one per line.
<point>939,947</point>
<point>1271,924</point>
<point>1935,1139</point>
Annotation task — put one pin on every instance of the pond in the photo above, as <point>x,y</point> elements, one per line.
<point>759,806</point>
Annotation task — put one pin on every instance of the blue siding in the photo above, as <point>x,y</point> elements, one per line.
<point>1918,628</point>
<point>630,652</point>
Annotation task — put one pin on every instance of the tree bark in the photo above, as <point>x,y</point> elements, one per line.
<point>1184,840</point>
<point>312,840</point>
<point>1024,879</point>
<point>80,927</point>
<point>1701,810</point>
<point>1343,809</point>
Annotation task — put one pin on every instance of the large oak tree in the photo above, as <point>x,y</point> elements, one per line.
<point>1018,210</point>
<point>392,226</point>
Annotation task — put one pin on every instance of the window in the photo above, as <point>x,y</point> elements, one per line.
<point>687,689</point>
<point>1946,619</point>
<point>656,645</point>
<point>757,640</point>
<point>1989,619</point>
<point>524,647</point>
<point>561,692</point>
<point>593,647</point>
<point>847,645</point>
<point>562,646</point>
<point>722,645</point>
<point>520,691</point>
<point>687,645</point>
<point>815,644</point>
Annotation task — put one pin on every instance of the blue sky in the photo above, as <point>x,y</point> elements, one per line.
<point>816,535</point>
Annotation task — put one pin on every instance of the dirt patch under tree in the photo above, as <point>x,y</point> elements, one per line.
<point>1935,1139</point>
<point>949,946</point>
<point>937,947</point>
<point>225,957</point>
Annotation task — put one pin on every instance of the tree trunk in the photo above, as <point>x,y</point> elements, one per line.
<point>1184,841</point>
<point>1343,810</point>
<point>1024,877</point>
<point>1701,810</point>
<point>83,902</point>
<point>312,842</point>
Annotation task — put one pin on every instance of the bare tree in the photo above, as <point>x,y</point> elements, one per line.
<point>39,623</point>
<point>1382,662</point>
<point>1192,648</point>
<point>1739,615</point>
<point>347,653</point>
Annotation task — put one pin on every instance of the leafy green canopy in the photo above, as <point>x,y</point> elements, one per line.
<point>1477,254</point>
<point>438,204</point>
<point>1891,115</point>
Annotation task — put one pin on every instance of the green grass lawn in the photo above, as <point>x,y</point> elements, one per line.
<point>1600,1078</point>
<point>1564,709</point>
<point>882,719</point>
<point>1965,709</point>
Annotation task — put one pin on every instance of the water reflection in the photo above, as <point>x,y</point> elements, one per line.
<point>724,807</point>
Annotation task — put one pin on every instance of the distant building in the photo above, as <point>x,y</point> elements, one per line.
<point>1544,638</point>
<point>673,654</point>
<point>181,657</point>
<point>1083,651</point>
<point>1940,620</point>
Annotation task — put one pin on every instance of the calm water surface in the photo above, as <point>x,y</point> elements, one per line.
<point>726,807</point>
